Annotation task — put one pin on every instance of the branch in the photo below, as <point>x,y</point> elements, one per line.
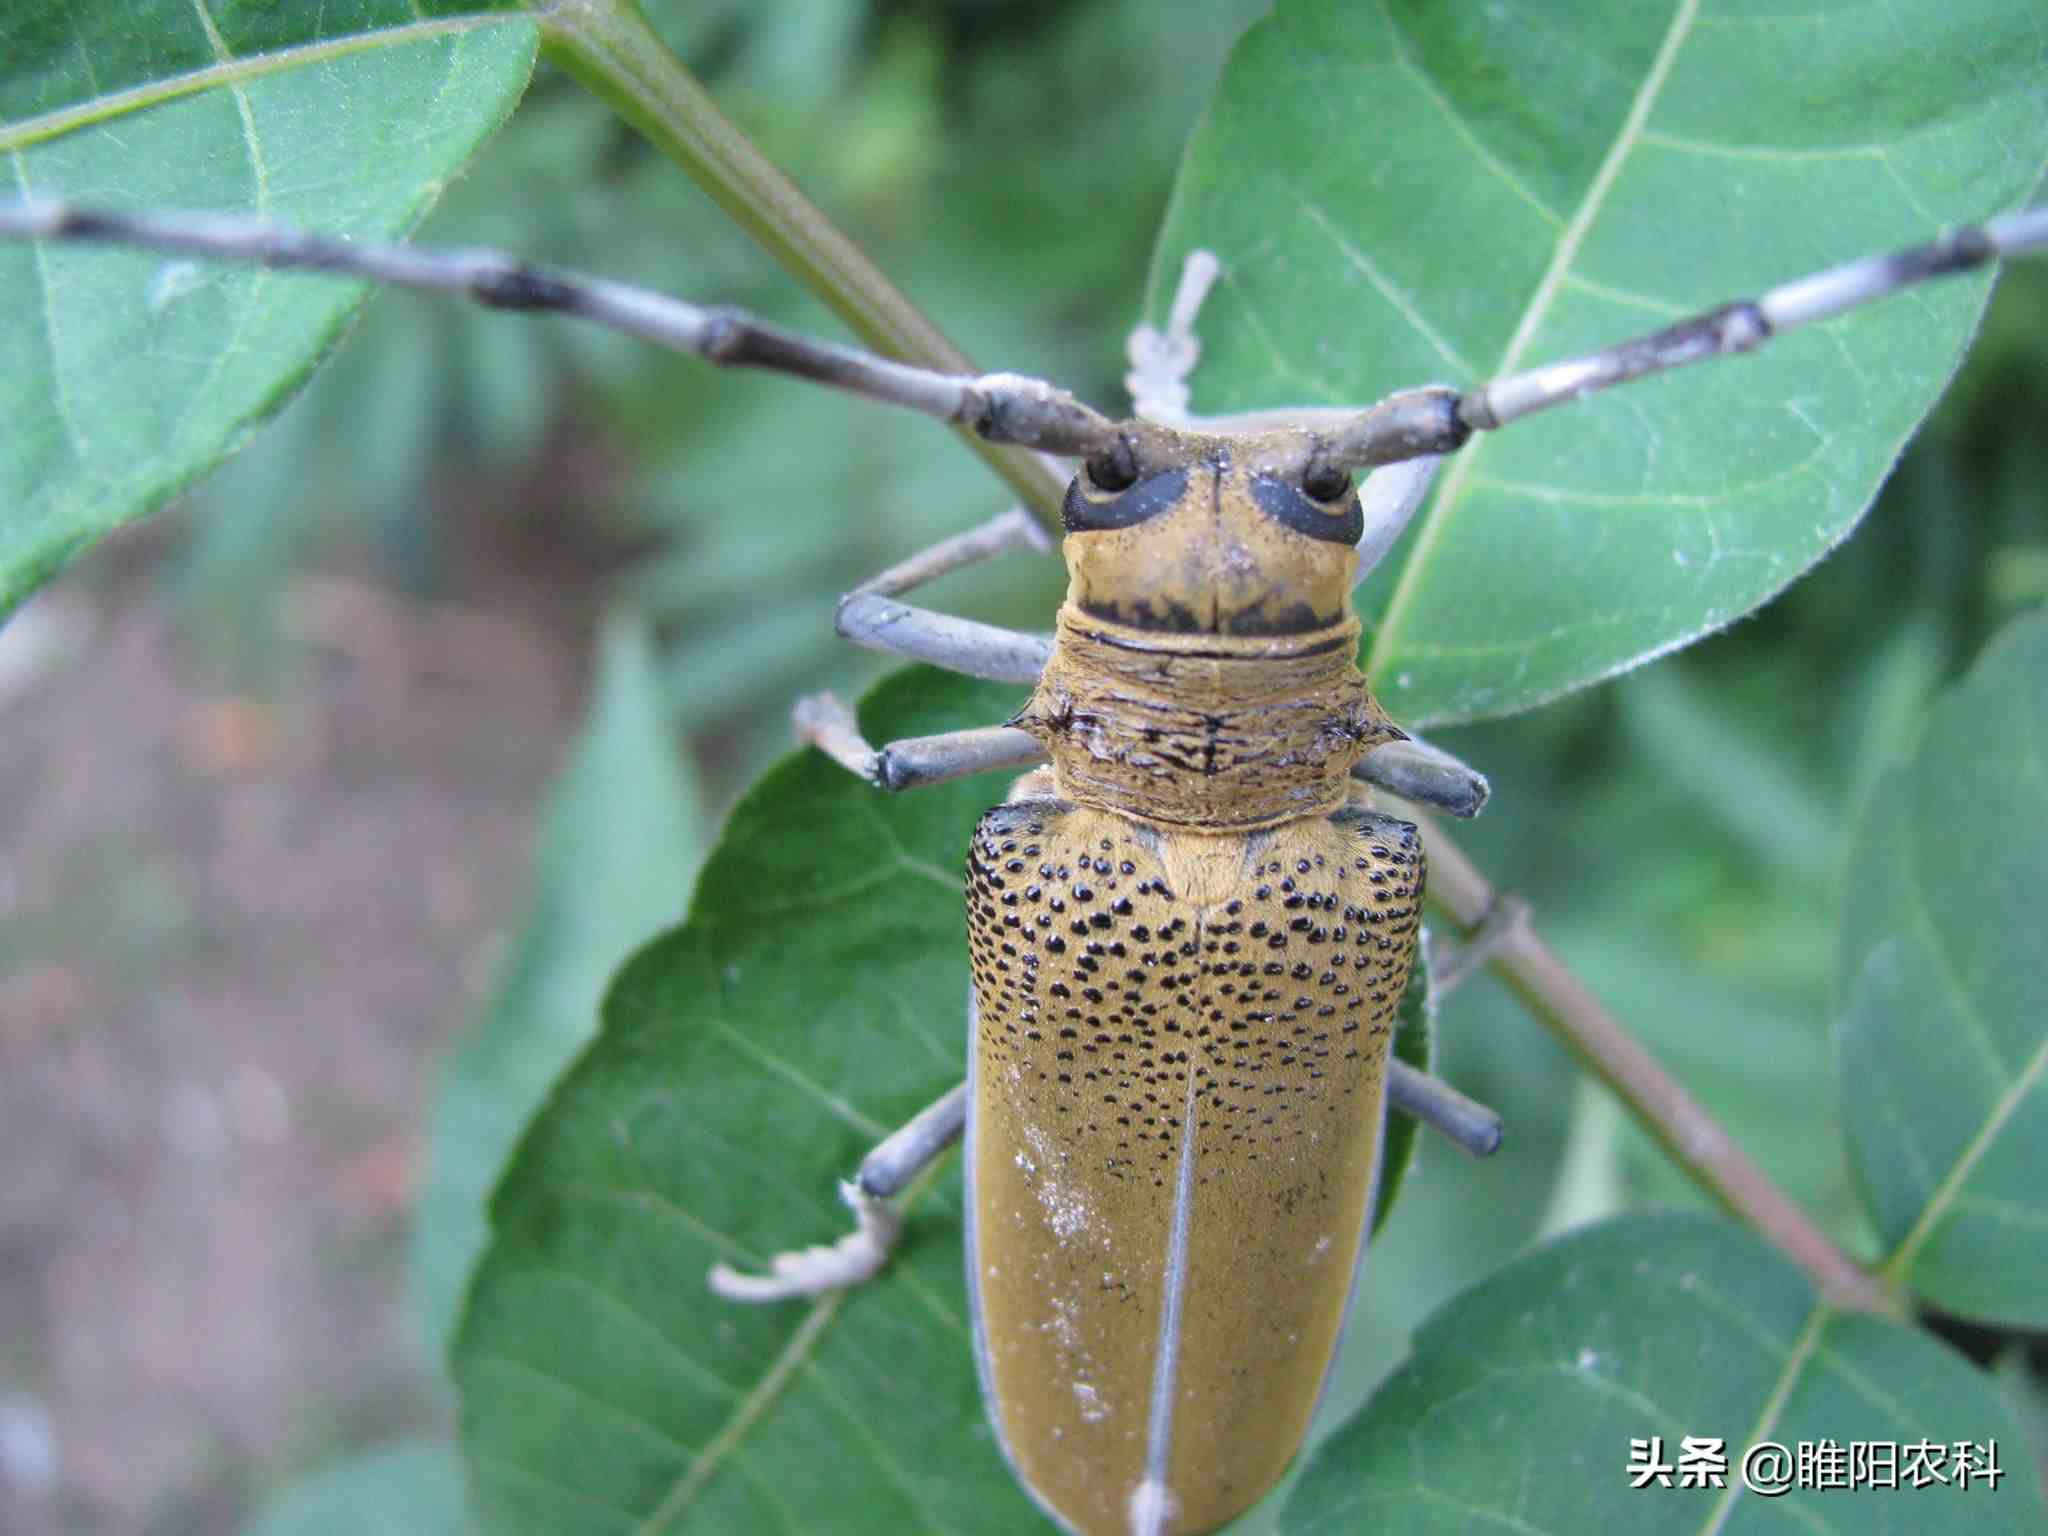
<point>1693,1138</point>
<point>609,47</point>
<point>1004,407</point>
<point>1380,436</point>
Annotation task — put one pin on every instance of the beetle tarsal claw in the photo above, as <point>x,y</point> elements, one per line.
<point>1162,360</point>
<point>821,720</point>
<point>855,1258</point>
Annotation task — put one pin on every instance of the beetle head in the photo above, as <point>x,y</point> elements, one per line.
<point>1190,533</point>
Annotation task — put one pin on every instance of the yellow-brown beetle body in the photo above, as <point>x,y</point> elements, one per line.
<point>1187,950</point>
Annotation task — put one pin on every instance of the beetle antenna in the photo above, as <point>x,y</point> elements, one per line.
<point>1382,435</point>
<point>1003,407</point>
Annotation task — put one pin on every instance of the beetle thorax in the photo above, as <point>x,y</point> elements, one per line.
<point>1204,669</point>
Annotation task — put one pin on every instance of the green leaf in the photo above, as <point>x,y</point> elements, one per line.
<point>1517,1409</point>
<point>1405,192</point>
<point>123,376</point>
<point>1942,1035</point>
<point>414,1486</point>
<point>621,845</point>
<point>812,1003</point>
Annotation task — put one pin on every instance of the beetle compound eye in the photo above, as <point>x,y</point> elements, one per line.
<point>1326,482</point>
<point>1132,501</point>
<point>1319,504</point>
<point>1116,470</point>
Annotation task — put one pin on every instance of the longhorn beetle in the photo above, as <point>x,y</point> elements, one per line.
<point>1189,936</point>
<point>1204,717</point>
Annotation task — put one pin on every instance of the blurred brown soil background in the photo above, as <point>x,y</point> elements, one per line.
<point>236,932</point>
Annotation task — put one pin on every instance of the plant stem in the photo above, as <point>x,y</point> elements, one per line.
<point>608,45</point>
<point>1693,1137</point>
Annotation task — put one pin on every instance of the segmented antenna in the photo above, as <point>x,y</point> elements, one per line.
<point>1013,408</point>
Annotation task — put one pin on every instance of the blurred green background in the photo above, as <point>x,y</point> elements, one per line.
<point>1680,832</point>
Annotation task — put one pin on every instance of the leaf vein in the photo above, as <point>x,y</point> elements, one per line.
<point>498,1466</point>
<point>1774,1405</point>
<point>66,409</point>
<point>1402,301</point>
<point>1442,508</point>
<point>581,1394</point>
<point>51,125</point>
<point>1412,67</point>
<point>878,1450</point>
<point>697,1478</point>
<point>616,1306</point>
<point>2008,1104</point>
<point>842,1111</point>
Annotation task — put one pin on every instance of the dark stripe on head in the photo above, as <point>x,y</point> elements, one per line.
<point>1167,618</point>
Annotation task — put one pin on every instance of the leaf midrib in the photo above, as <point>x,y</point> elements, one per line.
<point>1563,254</point>
<point>684,1492</point>
<point>236,72</point>
<point>1781,1391</point>
<point>1894,1268</point>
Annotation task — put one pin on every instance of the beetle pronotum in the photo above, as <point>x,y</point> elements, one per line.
<point>1188,824</point>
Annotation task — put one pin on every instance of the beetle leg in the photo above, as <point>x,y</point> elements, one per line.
<point>827,724</point>
<point>892,1165</point>
<point>1162,360</point>
<point>958,645</point>
<point>859,1255</point>
<point>868,615</point>
<point>814,1271</point>
<point>1497,929</point>
<point>1437,1104</point>
<point>1415,770</point>
<point>1388,498</point>
<point>1014,529</point>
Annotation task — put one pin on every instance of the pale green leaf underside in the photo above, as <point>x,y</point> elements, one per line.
<point>413,1486</point>
<point>1404,192</point>
<point>1517,1409</point>
<point>620,847</point>
<point>815,999</point>
<point>123,376</point>
<point>1942,1040</point>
